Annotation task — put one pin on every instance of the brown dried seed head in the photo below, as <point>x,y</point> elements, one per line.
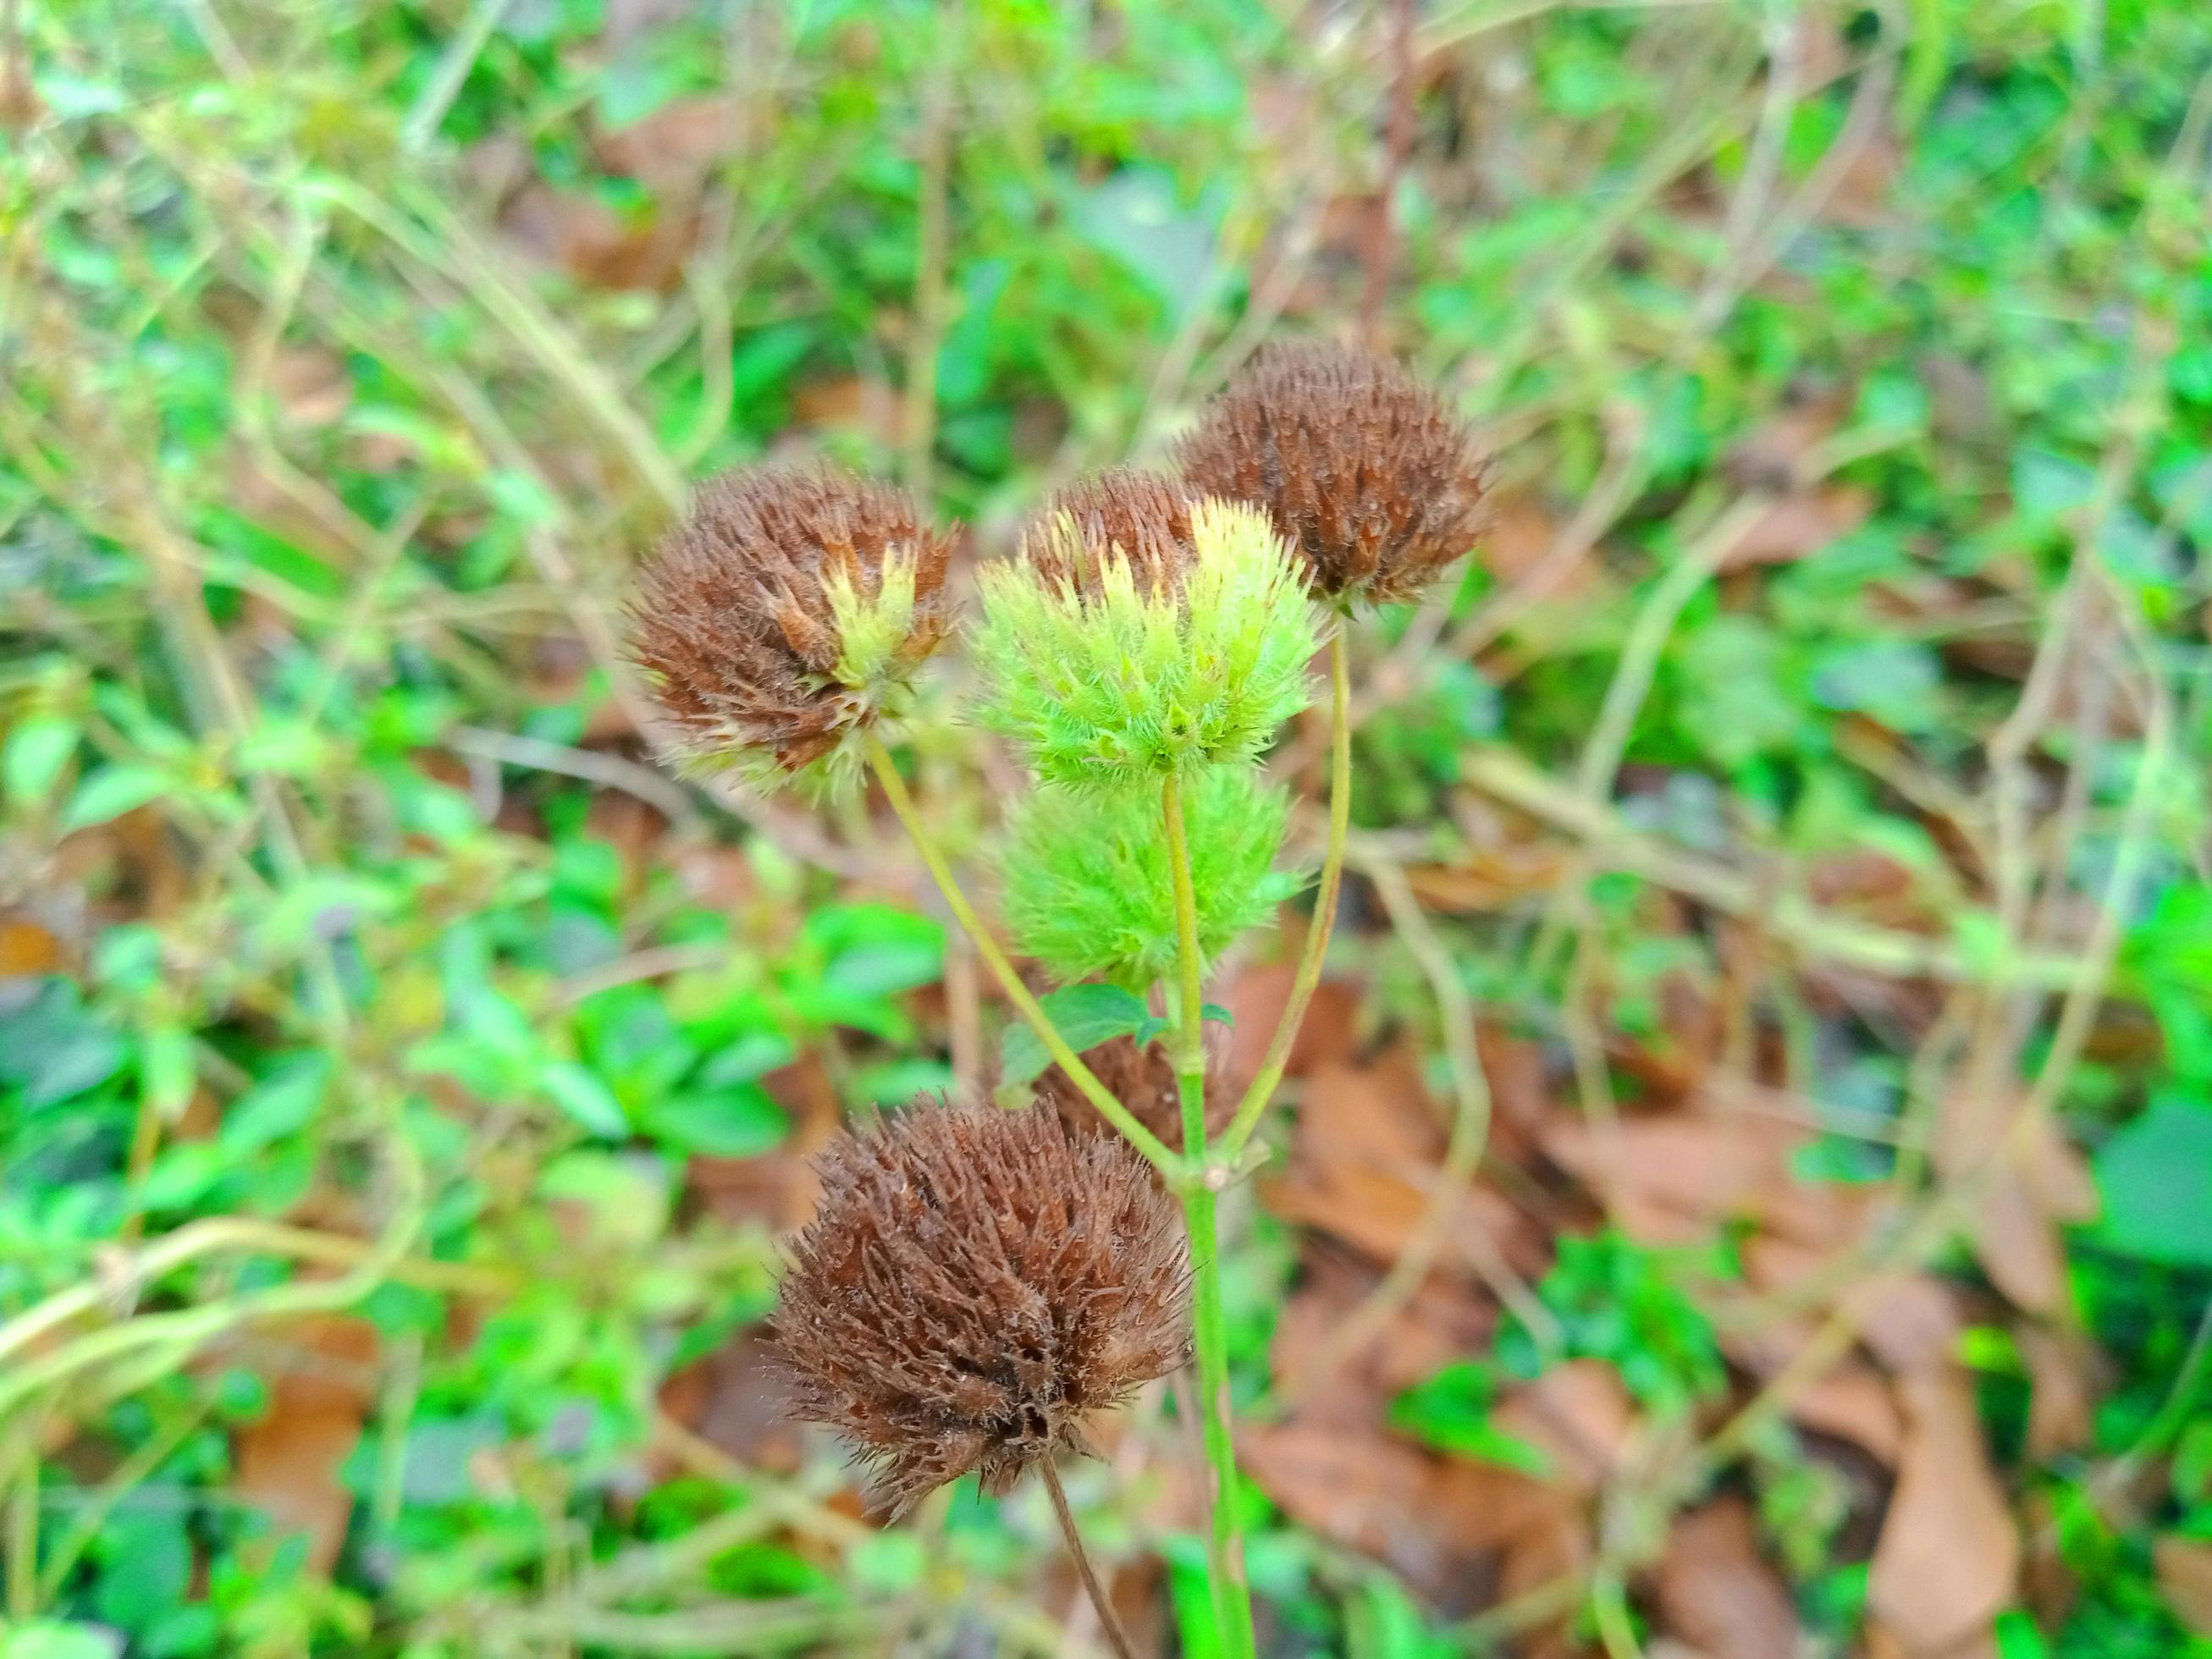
<point>974,1282</point>
<point>1361,466</point>
<point>1145,517</point>
<point>1143,1079</point>
<point>734,622</point>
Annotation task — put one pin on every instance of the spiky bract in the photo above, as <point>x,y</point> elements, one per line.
<point>975,1282</point>
<point>1088,890</point>
<point>1125,513</point>
<point>1142,1077</point>
<point>1359,464</point>
<point>1122,677</point>
<point>786,614</point>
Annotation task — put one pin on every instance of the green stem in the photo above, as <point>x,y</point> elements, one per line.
<point>1269,1076</point>
<point>1224,1551</point>
<point>895,790</point>
<point>23,1531</point>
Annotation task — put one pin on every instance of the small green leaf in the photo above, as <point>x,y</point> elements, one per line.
<point>2156,1178</point>
<point>110,792</point>
<point>737,1122</point>
<point>1450,1412</point>
<point>281,1103</point>
<point>1087,1016</point>
<point>48,1638</point>
<point>752,1056</point>
<point>37,749</point>
<point>883,967</point>
<point>888,1562</point>
<point>166,1067</point>
<point>2018,1637</point>
<point>577,1091</point>
<point>55,1048</point>
<point>147,1564</point>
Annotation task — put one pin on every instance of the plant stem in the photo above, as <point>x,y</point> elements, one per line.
<point>1224,1551</point>
<point>895,790</point>
<point>22,1591</point>
<point>1108,1620</point>
<point>1270,1074</point>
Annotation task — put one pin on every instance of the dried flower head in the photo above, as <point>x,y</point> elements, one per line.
<point>785,614</point>
<point>1142,1077</point>
<point>1105,664</point>
<point>1361,467</point>
<point>975,1282</point>
<point>1123,513</point>
<point>1088,890</point>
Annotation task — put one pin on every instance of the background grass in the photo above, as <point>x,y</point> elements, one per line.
<point>403,1082</point>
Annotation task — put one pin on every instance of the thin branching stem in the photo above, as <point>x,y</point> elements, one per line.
<point>1108,1620</point>
<point>1233,1598</point>
<point>1470,1129</point>
<point>902,803</point>
<point>1308,977</point>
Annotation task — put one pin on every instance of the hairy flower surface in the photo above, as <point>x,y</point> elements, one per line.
<point>1142,1077</point>
<point>1102,667</point>
<point>784,614</point>
<point>1360,465</point>
<point>1123,513</point>
<point>1088,891</point>
<point>975,1282</point>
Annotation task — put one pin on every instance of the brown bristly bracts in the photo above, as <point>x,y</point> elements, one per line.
<point>1362,468</point>
<point>734,620</point>
<point>974,1283</point>
<point>1145,517</point>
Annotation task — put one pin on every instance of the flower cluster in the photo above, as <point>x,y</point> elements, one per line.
<point>1141,632</point>
<point>786,614</point>
<point>977,1281</point>
<point>1360,466</point>
<point>1087,888</point>
<point>974,1283</point>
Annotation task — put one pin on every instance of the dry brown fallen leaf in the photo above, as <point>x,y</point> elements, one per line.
<point>1948,1558</point>
<point>1518,536</point>
<point>1800,525</point>
<point>287,1461</point>
<point>1488,878</point>
<point>595,245</point>
<point>2040,1187</point>
<point>1442,1322</point>
<point>674,149</point>
<point>2184,1578</point>
<point>1853,1403</point>
<point>779,1188</point>
<point>734,1398</point>
<point>851,403</point>
<point>1464,1535</point>
<point>1456,1530</point>
<point>1911,1322</point>
<point>1579,1415</point>
<point>1718,1593</point>
<point>1366,1141</point>
<point>1255,999</point>
<point>312,386</point>
<point>1667,1180</point>
<point>2062,1391</point>
<point>26,949</point>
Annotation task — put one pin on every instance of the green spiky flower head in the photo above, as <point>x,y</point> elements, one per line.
<point>1088,890</point>
<point>1143,630</point>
